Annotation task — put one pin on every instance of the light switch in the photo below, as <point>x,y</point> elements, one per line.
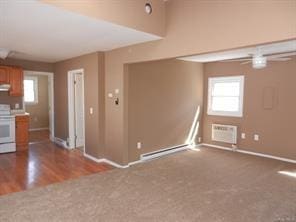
<point>243,136</point>
<point>116,91</point>
<point>110,95</point>
<point>91,110</point>
<point>256,137</point>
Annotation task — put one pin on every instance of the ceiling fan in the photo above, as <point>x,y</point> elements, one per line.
<point>259,60</point>
<point>7,53</point>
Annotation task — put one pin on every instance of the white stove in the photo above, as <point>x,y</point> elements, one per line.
<point>7,129</point>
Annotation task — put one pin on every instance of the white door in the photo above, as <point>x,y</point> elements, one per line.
<point>50,108</point>
<point>78,110</point>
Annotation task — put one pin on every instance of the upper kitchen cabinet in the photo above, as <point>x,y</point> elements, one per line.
<point>4,74</point>
<point>16,81</point>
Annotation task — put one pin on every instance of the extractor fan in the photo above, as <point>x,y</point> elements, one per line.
<point>259,60</point>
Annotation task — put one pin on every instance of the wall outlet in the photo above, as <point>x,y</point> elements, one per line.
<point>110,95</point>
<point>116,91</point>
<point>199,139</point>
<point>256,137</point>
<point>17,106</point>
<point>139,145</point>
<point>243,136</point>
<point>91,110</point>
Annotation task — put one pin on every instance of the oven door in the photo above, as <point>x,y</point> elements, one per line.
<point>7,129</point>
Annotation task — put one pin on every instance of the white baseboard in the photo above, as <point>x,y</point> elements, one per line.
<point>61,142</point>
<point>163,152</point>
<point>38,129</point>
<point>250,153</point>
<point>103,160</point>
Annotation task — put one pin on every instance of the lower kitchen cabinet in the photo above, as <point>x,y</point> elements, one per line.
<point>22,132</point>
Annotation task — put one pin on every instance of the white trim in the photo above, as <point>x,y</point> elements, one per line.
<point>103,160</point>
<point>38,129</point>
<point>218,147</point>
<point>212,81</point>
<point>163,152</point>
<point>71,118</point>
<point>250,153</point>
<point>50,76</point>
<point>61,142</point>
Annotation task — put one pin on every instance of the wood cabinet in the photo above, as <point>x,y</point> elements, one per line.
<point>13,76</point>
<point>22,132</point>
<point>4,74</point>
<point>16,77</point>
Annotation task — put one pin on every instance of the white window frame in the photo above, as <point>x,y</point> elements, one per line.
<point>35,80</point>
<point>212,81</point>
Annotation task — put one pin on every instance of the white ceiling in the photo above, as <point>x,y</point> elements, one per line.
<point>281,47</point>
<point>37,31</point>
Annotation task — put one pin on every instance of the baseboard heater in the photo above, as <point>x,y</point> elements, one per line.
<point>163,152</point>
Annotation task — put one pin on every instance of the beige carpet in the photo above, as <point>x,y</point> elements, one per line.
<point>207,186</point>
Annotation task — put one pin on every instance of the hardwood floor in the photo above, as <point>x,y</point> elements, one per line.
<point>44,163</point>
<point>38,136</point>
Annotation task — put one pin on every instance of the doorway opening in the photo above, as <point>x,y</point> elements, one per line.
<point>76,117</point>
<point>38,101</point>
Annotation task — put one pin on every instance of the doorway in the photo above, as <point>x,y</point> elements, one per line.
<point>76,109</point>
<point>38,102</point>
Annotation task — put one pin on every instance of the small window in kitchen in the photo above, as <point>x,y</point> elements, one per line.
<point>31,89</point>
<point>225,96</point>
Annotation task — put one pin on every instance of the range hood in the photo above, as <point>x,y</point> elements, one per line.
<point>4,87</point>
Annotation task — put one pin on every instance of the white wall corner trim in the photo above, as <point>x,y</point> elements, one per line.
<point>239,150</point>
<point>61,142</point>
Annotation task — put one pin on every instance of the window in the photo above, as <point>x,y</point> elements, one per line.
<point>225,97</point>
<point>31,89</point>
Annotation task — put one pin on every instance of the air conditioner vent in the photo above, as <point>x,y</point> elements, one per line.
<point>224,133</point>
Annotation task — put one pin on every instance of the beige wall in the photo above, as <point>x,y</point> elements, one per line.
<point>275,126</point>
<point>128,13</point>
<point>26,65</point>
<point>194,27</point>
<point>163,98</point>
<point>94,87</point>
<point>39,113</point>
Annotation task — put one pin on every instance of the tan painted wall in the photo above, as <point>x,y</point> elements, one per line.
<point>94,86</point>
<point>275,126</point>
<point>163,98</point>
<point>128,13</point>
<point>194,27</point>
<point>26,65</point>
<point>39,113</point>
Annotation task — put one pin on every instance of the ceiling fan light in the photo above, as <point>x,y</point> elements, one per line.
<point>259,62</point>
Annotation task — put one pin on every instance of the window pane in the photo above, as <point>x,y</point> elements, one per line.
<point>228,104</point>
<point>226,89</point>
<point>29,90</point>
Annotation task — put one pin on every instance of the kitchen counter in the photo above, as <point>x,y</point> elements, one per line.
<point>21,114</point>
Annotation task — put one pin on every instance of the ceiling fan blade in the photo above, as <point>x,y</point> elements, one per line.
<point>279,59</point>
<point>280,55</point>
<point>236,60</point>
<point>247,62</point>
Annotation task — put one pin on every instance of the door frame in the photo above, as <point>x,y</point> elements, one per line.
<point>51,115</point>
<point>71,109</point>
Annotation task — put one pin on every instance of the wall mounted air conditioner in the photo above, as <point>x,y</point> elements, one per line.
<point>224,133</point>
